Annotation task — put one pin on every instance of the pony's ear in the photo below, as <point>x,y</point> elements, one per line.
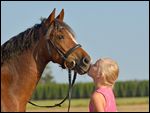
<point>61,15</point>
<point>51,17</point>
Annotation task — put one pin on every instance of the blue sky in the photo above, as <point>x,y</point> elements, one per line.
<point>119,30</point>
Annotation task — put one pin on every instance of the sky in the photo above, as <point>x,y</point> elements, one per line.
<point>118,30</point>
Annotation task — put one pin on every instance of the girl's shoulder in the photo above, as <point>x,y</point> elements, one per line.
<point>96,96</point>
<point>98,101</point>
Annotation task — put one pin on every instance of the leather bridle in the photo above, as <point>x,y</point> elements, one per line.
<point>64,57</point>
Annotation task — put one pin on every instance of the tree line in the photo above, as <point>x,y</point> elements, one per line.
<point>52,90</point>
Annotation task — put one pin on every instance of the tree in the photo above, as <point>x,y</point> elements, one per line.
<point>47,76</point>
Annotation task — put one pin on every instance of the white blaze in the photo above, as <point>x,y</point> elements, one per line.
<point>72,38</point>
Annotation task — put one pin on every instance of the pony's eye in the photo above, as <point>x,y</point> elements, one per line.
<point>61,37</point>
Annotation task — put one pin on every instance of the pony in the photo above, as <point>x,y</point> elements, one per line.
<point>24,57</point>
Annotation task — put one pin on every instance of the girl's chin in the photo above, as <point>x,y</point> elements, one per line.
<point>89,75</point>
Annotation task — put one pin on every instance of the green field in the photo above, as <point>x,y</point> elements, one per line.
<point>133,104</point>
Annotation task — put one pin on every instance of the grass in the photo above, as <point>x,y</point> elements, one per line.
<point>74,103</point>
<point>85,102</point>
<point>132,100</point>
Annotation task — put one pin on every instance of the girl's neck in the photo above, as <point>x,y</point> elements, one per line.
<point>98,85</point>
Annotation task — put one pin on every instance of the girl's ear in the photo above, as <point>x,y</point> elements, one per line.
<point>61,15</point>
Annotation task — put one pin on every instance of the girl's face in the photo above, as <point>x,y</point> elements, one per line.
<point>94,70</point>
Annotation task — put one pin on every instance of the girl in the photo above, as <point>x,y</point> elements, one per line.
<point>104,74</point>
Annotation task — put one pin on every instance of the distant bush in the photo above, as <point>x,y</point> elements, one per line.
<point>83,90</point>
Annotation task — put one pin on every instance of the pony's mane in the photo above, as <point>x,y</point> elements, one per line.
<point>17,44</point>
<point>25,40</point>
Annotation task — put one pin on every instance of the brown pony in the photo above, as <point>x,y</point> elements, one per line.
<point>24,57</point>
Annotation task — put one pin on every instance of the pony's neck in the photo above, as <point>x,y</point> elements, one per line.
<point>22,68</point>
<point>41,56</point>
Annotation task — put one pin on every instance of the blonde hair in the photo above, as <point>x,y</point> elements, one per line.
<point>108,70</point>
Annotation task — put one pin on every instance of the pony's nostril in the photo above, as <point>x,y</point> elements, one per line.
<point>86,60</point>
<point>73,63</point>
<point>70,65</point>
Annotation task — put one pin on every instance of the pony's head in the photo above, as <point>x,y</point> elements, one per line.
<point>61,45</point>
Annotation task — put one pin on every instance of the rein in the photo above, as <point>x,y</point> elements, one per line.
<point>64,57</point>
<point>67,96</point>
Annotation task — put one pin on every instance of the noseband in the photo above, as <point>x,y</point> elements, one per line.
<point>64,57</point>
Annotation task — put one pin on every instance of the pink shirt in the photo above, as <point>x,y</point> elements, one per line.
<point>110,100</point>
